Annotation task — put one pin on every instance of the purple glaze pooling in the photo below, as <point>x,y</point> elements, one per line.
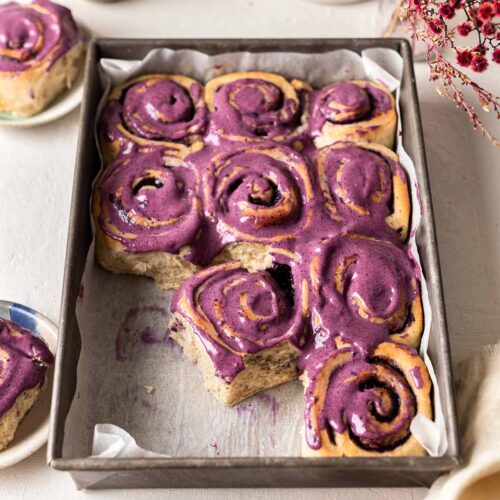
<point>24,360</point>
<point>236,312</point>
<point>30,33</point>
<point>346,102</point>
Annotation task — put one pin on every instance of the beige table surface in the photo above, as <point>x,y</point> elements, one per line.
<point>36,172</point>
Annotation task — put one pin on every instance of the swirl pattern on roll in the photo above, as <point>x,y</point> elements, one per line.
<point>256,106</point>
<point>367,289</point>
<point>149,202</point>
<point>23,362</point>
<point>355,110</point>
<point>235,312</point>
<point>261,193</point>
<point>34,34</point>
<point>363,180</point>
<point>359,406</point>
<point>155,110</point>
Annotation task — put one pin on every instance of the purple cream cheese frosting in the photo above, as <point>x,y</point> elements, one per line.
<point>364,290</point>
<point>346,102</point>
<point>370,398</point>
<point>247,312</point>
<point>29,33</point>
<point>23,363</point>
<point>156,109</point>
<point>149,203</point>
<point>255,108</point>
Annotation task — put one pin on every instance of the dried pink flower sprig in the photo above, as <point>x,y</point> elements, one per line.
<point>471,28</point>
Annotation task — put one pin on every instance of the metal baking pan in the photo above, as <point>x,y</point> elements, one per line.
<point>257,471</point>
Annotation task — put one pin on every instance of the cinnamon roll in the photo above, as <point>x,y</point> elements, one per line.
<point>24,362</point>
<point>242,329</point>
<point>364,181</point>
<point>149,218</point>
<point>41,51</point>
<point>254,106</point>
<point>258,196</point>
<point>367,289</point>
<point>157,110</point>
<point>364,407</point>
<point>353,111</point>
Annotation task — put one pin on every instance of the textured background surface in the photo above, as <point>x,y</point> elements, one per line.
<point>36,172</point>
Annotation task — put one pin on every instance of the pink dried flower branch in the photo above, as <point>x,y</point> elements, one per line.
<point>441,24</point>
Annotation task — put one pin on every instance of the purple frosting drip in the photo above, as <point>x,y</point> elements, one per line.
<point>23,362</point>
<point>31,32</point>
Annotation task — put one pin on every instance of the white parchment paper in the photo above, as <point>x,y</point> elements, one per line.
<point>131,375</point>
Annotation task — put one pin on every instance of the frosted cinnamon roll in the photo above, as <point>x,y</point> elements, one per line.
<point>157,110</point>
<point>254,106</point>
<point>353,111</point>
<point>359,407</point>
<point>149,218</point>
<point>364,181</point>
<point>242,329</point>
<point>367,289</point>
<point>258,196</point>
<point>41,51</point>
<point>24,362</point>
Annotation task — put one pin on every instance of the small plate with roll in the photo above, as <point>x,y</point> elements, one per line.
<point>42,51</point>
<point>28,342</point>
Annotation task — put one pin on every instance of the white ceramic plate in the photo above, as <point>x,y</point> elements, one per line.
<point>33,430</point>
<point>62,105</point>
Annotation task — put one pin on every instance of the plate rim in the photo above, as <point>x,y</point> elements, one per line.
<point>38,438</point>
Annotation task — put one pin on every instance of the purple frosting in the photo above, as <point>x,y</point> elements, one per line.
<point>346,102</point>
<point>261,193</point>
<point>245,313</point>
<point>149,203</point>
<point>156,108</point>
<point>364,290</point>
<point>29,33</point>
<point>255,109</point>
<point>357,182</point>
<point>370,398</point>
<point>23,362</point>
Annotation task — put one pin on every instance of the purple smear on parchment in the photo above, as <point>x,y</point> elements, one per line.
<point>134,328</point>
<point>272,404</point>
